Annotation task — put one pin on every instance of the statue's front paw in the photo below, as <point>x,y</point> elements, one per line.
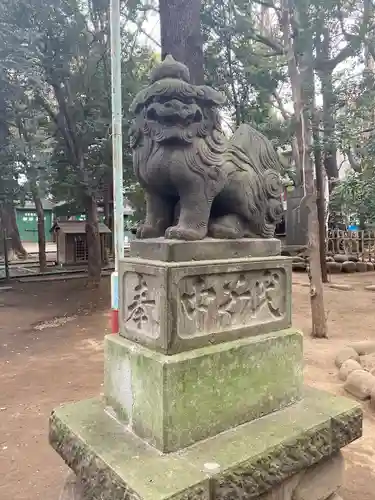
<point>183,233</point>
<point>146,231</point>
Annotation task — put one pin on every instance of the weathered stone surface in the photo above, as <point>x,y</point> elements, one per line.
<point>364,347</point>
<point>174,401</point>
<point>361,267</point>
<point>321,480</point>
<point>360,383</point>
<point>174,307</point>
<point>334,267</point>
<point>344,354</point>
<point>318,482</point>
<point>284,491</point>
<point>348,366</point>
<point>341,258</point>
<point>207,249</point>
<point>370,266</point>
<point>349,267</point>
<point>346,424</point>
<point>74,489</point>
<point>253,458</point>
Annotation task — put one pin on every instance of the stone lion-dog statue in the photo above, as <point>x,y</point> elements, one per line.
<point>197,182</point>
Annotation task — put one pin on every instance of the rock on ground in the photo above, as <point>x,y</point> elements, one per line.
<point>334,267</point>
<point>344,354</point>
<point>339,286</point>
<point>348,366</point>
<point>364,347</point>
<point>360,384</point>
<point>349,267</point>
<point>339,257</point>
<point>361,267</point>
<point>353,258</point>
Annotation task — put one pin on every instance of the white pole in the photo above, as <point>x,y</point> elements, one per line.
<point>118,199</point>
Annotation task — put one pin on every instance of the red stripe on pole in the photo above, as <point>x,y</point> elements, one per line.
<point>114,321</point>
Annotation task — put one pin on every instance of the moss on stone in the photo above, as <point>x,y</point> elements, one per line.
<point>251,458</point>
<point>174,401</point>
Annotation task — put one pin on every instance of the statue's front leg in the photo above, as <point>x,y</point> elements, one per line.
<point>159,216</point>
<point>195,208</point>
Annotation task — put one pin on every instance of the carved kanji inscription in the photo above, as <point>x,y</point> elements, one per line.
<point>225,301</point>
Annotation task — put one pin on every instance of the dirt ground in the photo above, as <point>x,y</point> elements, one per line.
<point>51,352</point>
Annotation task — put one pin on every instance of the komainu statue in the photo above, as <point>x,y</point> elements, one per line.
<point>197,182</point>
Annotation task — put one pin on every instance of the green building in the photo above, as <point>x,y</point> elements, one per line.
<point>27,221</point>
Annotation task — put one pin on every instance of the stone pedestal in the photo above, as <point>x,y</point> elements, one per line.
<point>203,388</point>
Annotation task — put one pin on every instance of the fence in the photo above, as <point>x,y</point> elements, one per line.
<point>358,243</point>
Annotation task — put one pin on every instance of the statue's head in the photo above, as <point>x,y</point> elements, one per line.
<point>171,109</point>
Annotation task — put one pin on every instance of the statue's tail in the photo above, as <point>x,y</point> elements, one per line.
<point>251,151</point>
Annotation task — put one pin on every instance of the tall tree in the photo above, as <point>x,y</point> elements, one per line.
<point>10,189</point>
<point>180,26</point>
<point>300,65</point>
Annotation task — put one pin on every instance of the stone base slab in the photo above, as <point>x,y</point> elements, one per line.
<point>207,249</point>
<point>242,463</point>
<point>177,306</point>
<point>174,401</point>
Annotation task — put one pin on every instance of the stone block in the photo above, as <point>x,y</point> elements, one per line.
<point>250,460</point>
<point>318,482</point>
<point>360,383</point>
<point>176,306</point>
<point>370,266</point>
<point>174,401</point>
<point>321,480</point>
<point>208,249</point>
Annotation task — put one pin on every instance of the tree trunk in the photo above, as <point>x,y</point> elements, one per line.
<point>301,79</point>
<point>8,222</point>
<point>41,230</point>
<point>180,29</point>
<point>93,242</point>
<point>330,149</point>
<point>320,202</point>
<point>329,101</point>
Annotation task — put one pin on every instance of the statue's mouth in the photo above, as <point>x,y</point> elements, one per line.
<point>170,118</point>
